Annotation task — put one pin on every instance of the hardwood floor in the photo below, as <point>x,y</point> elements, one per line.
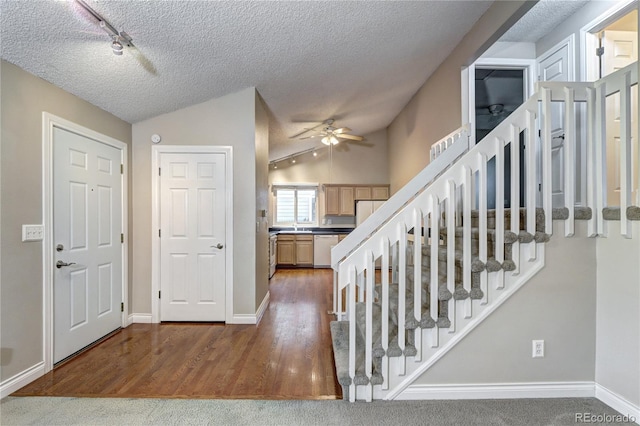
<point>287,356</point>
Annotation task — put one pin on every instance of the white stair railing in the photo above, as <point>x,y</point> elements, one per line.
<point>453,192</point>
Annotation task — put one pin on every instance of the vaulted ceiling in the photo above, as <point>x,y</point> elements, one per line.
<point>356,61</point>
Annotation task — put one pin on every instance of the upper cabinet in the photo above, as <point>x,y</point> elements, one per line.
<point>340,200</point>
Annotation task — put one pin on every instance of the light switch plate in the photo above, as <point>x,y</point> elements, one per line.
<point>32,232</point>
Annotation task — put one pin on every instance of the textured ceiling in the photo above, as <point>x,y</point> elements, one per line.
<point>359,62</point>
<point>543,17</point>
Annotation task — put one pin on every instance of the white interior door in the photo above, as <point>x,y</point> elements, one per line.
<point>620,50</point>
<point>87,217</point>
<point>192,237</point>
<point>556,66</point>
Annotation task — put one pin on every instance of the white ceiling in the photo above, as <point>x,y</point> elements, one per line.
<point>359,62</point>
<point>543,17</point>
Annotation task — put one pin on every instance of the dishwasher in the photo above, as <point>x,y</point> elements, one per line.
<point>322,250</point>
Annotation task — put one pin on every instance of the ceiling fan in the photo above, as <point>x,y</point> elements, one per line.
<point>494,114</point>
<point>330,135</point>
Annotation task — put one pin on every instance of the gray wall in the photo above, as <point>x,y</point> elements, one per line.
<point>435,110</point>
<point>557,305</point>
<point>24,98</point>
<point>618,314</point>
<point>226,121</point>
<point>262,200</point>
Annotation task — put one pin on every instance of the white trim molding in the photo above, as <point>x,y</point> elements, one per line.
<point>49,122</point>
<point>156,153</point>
<point>140,319</point>
<point>252,318</point>
<point>263,307</point>
<point>21,379</point>
<point>617,402</point>
<point>499,391</point>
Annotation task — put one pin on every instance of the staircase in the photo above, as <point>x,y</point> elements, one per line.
<point>447,261</point>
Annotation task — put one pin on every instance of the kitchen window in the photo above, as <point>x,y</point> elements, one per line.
<point>296,206</point>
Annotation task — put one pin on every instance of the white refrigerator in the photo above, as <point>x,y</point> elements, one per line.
<point>364,209</point>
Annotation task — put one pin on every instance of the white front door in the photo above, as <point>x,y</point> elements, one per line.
<point>87,217</point>
<point>192,237</point>
<point>620,50</point>
<point>555,66</point>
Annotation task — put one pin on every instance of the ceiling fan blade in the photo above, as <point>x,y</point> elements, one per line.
<point>342,130</point>
<point>310,137</point>
<point>352,137</point>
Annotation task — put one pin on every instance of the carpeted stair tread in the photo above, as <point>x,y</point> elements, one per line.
<point>509,237</point>
<point>476,264</point>
<point>613,213</point>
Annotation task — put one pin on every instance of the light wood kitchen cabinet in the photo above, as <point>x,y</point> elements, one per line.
<point>286,249</point>
<point>304,250</point>
<point>347,201</point>
<point>332,200</point>
<point>340,200</point>
<point>363,192</point>
<point>379,192</point>
<point>295,250</point>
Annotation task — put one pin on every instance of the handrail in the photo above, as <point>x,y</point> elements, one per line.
<point>456,145</point>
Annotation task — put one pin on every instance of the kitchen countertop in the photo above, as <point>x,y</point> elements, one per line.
<point>314,231</point>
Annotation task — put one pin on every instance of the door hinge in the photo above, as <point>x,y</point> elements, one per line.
<point>599,51</point>
<point>159,233</point>
<point>122,238</point>
<point>121,169</point>
<point>159,171</point>
<point>159,294</point>
<point>121,306</point>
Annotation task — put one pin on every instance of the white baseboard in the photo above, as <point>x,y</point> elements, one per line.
<point>140,318</point>
<point>263,307</point>
<point>21,379</point>
<point>252,318</point>
<point>618,403</point>
<point>499,391</point>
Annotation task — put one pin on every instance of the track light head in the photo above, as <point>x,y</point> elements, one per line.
<point>117,47</point>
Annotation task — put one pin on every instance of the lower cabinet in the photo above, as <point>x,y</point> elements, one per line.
<point>295,250</point>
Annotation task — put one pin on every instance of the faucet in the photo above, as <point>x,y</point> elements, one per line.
<point>295,227</point>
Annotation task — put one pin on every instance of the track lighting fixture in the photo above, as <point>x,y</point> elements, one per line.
<point>119,38</point>
<point>117,47</point>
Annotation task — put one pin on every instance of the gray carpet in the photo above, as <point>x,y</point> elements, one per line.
<point>114,411</point>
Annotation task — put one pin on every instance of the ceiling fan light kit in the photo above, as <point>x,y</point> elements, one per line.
<point>330,135</point>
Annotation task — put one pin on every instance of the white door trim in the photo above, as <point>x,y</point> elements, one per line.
<point>156,153</point>
<point>469,85</point>
<point>589,39</point>
<point>49,121</point>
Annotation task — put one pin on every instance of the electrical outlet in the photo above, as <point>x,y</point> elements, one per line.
<point>32,232</point>
<point>537,348</point>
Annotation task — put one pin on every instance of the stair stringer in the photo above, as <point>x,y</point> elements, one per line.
<point>447,341</point>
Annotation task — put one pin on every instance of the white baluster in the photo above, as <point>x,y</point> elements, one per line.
<point>626,169</point>
<point>451,247</point>
<point>592,227</point>
<point>385,311</point>
<point>546,161</point>
<point>569,159</point>
<point>532,184</point>
<point>482,223</point>
<point>368,349</point>
<point>498,241</point>
<point>515,194</point>
<point>417,277</point>
<point>352,331</point>
<point>601,158</point>
<point>435,248</point>
<point>466,238</point>
<point>402,293</point>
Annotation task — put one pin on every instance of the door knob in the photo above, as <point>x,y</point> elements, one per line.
<point>60,264</point>
<point>219,246</point>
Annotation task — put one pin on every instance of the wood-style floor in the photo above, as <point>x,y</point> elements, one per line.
<point>287,356</point>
